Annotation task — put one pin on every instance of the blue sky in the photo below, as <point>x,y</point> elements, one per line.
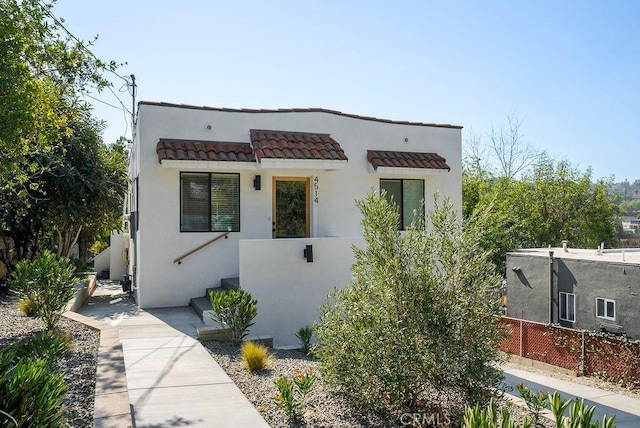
<point>569,69</point>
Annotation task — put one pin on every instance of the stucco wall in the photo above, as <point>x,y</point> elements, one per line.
<point>528,290</point>
<point>288,299</point>
<point>163,283</point>
<point>102,261</point>
<point>117,267</point>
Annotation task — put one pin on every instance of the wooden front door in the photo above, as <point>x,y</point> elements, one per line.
<point>291,207</point>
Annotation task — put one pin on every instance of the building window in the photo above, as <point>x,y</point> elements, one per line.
<point>209,202</point>
<point>408,196</point>
<point>567,306</point>
<point>606,308</point>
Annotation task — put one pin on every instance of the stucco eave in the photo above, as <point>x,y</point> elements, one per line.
<point>406,171</point>
<point>326,165</point>
<point>208,165</point>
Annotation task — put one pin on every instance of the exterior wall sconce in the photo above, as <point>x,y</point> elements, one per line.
<point>308,253</point>
<point>257,182</point>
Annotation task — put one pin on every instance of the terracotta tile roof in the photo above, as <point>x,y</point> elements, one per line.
<point>406,160</point>
<point>295,145</point>
<point>298,110</point>
<point>170,149</point>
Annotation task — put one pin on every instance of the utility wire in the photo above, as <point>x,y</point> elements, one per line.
<point>81,44</point>
<point>100,101</point>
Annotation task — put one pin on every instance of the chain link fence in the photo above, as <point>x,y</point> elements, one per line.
<point>616,359</point>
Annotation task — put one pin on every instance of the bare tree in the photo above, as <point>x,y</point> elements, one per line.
<point>475,157</point>
<point>512,152</point>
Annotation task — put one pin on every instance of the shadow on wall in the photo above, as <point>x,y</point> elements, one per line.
<point>522,278</point>
<point>566,281</point>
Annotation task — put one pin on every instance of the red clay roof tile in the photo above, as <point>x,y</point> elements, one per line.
<point>172,149</point>
<point>295,145</point>
<point>406,160</point>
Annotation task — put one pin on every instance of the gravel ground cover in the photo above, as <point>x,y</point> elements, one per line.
<point>326,408</point>
<point>79,366</point>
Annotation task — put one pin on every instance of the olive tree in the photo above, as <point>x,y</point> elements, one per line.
<point>416,330</point>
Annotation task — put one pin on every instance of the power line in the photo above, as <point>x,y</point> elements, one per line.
<point>130,85</point>
<point>80,42</point>
<point>103,102</point>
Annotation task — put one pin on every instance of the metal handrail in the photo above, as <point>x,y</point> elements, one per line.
<point>200,247</point>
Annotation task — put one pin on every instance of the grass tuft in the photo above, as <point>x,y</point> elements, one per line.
<point>255,357</point>
<point>27,306</point>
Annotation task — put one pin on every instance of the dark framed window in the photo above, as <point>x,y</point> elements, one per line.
<point>606,308</point>
<point>209,202</point>
<point>567,307</point>
<point>408,196</point>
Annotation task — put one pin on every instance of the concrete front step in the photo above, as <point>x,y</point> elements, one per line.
<point>202,305</point>
<point>230,283</point>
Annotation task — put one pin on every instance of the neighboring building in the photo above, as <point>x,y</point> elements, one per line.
<point>577,288</point>
<point>630,224</point>
<point>284,184</point>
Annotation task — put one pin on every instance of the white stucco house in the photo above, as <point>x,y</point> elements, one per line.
<point>278,187</point>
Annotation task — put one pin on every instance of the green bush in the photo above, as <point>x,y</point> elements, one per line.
<point>235,309</point>
<point>580,416</point>
<point>292,393</point>
<point>416,329</point>
<point>48,281</point>
<point>255,357</point>
<point>48,346</point>
<point>476,417</point>
<point>535,402</point>
<point>31,392</point>
<point>304,335</point>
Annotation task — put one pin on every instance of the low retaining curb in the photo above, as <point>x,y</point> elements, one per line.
<point>112,408</point>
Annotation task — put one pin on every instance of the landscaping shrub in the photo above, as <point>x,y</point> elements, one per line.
<point>31,391</point>
<point>255,357</point>
<point>292,393</point>
<point>417,329</point>
<point>48,282</point>
<point>580,416</point>
<point>489,417</point>
<point>304,335</point>
<point>48,346</point>
<point>27,306</point>
<point>236,309</point>
<point>535,402</point>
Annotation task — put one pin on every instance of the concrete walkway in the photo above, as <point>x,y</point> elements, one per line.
<point>171,379</point>
<point>626,409</point>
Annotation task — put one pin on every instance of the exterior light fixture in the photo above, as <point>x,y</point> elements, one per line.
<point>308,253</point>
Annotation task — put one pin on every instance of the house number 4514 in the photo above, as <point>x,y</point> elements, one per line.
<point>315,189</point>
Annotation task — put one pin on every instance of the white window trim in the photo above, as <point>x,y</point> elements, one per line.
<point>605,301</point>
<point>567,308</point>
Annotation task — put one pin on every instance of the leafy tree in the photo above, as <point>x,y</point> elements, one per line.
<point>416,330</point>
<point>554,202</point>
<point>630,208</point>
<point>43,73</point>
<point>81,190</point>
